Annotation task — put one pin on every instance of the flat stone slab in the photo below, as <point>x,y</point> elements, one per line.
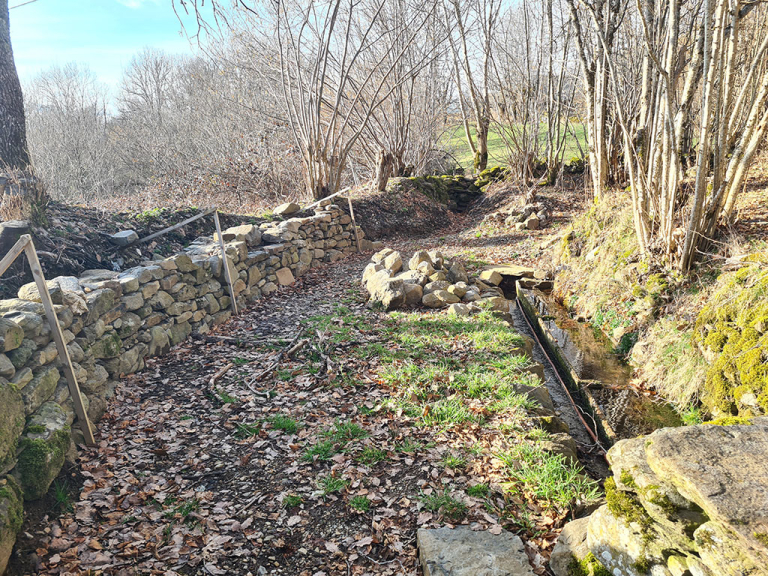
<point>464,552</point>
<point>513,270</point>
<point>723,469</point>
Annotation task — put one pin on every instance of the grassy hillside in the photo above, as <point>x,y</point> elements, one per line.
<point>456,141</point>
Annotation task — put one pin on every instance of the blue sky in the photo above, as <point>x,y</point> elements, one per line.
<point>103,34</point>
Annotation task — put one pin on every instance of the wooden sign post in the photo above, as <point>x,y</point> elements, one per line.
<point>26,245</point>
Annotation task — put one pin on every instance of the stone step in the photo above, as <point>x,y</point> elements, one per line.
<point>462,551</point>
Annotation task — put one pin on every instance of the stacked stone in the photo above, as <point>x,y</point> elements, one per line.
<point>529,217</point>
<point>112,321</point>
<point>431,279</point>
<point>690,501</point>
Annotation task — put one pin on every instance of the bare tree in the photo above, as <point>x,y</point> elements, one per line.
<point>68,133</point>
<point>474,24</point>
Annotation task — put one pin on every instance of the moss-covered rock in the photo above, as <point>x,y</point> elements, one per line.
<point>732,332</point>
<point>43,447</point>
<point>11,517</point>
<point>40,388</point>
<point>11,423</point>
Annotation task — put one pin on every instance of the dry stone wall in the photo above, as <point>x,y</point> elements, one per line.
<point>113,321</point>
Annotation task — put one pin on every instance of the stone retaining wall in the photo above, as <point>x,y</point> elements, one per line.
<point>113,321</point>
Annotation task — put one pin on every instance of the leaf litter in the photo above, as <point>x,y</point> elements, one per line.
<point>230,456</point>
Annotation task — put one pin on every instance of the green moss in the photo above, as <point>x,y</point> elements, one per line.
<point>588,566</point>
<point>627,479</point>
<point>627,507</point>
<point>731,421</point>
<point>40,462</point>
<point>642,564</point>
<point>733,332</point>
<point>762,537</point>
<point>35,429</point>
<point>662,501</point>
<point>10,491</point>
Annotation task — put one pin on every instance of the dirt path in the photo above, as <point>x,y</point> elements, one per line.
<point>226,456</point>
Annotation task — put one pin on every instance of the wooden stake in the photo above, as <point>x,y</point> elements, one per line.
<point>172,228</point>
<point>352,213</point>
<point>14,252</point>
<point>225,262</point>
<point>58,337</point>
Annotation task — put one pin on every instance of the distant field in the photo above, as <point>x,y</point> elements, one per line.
<point>497,152</point>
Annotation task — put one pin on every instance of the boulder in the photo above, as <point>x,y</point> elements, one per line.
<point>457,273</point>
<point>11,423</point>
<point>413,277</point>
<point>491,276</point>
<point>571,544</point>
<point>7,369</point>
<point>286,209</point>
<point>43,446</point>
<point>40,388</point>
<point>10,232</point>
<point>285,277</point>
<point>436,285</point>
<point>247,233</point>
<point>389,292</point>
<point>124,238</point>
<point>459,289</point>
<point>418,258</point>
<point>381,255</point>
<point>462,551</point>
<point>11,335</point>
<point>370,270</point>
<point>11,517</point>
<point>413,293</point>
<point>393,262</point>
<point>459,310</point>
<point>532,222</point>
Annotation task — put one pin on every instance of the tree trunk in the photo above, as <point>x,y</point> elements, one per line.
<point>384,166</point>
<point>13,135</point>
<point>481,152</point>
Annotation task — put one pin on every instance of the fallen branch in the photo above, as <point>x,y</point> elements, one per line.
<point>223,370</point>
<point>277,361</point>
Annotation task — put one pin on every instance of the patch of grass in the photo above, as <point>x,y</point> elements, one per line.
<point>344,432</point>
<point>61,496</point>
<point>478,490</point>
<point>444,504</point>
<point>292,500</point>
<point>547,477</point>
<point>240,361</point>
<point>226,398</point>
<point>285,375</point>
<point>330,484</point>
<point>454,462</point>
<point>247,430</point>
<point>322,451</point>
<point>408,446</point>
<point>185,417</point>
<point>447,412</point>
<point>284,423</point>
<point>370,456</point>
<point>360,503</point>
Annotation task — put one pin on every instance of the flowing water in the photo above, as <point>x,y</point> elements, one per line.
<point>629,411</point>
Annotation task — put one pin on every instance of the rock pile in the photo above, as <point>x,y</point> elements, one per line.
<point>689,501</point>
<point>113,321</point>
<point>529,217</point>
<point>431,279</point>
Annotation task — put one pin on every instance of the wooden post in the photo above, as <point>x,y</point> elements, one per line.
<point>225,262</point>
<point>14,252</point>
<point>174,227</point>
<point>58,337</point>
<point>352,213</point>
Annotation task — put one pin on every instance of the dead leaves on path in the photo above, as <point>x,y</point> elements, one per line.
<point>203,469</point>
